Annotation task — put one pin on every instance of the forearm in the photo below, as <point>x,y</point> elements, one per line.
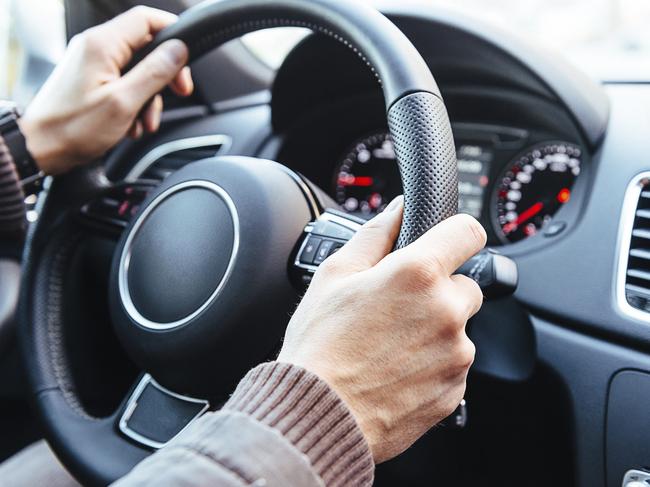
<point>12,206</point>
<point>282,424</point>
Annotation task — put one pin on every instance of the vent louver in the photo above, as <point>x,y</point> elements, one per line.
<point>171,156</point>
<point>170,163</point>
<point>634,273</point>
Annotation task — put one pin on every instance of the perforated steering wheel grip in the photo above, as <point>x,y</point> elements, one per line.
<point>425,150</point>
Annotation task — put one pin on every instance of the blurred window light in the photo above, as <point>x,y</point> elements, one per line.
<point>32,40</point>
<point>607,39</point>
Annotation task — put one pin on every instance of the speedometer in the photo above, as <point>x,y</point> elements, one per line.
<point>367,178</point>
<point>533,187</point>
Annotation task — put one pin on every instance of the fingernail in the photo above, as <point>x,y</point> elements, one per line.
<point>177,51</point>
<point>395,204</point>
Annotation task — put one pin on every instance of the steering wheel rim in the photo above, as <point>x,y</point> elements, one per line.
<point>424,147</point>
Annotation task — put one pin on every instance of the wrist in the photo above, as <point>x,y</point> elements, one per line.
<point>363,418</point>
<point>45,146</point>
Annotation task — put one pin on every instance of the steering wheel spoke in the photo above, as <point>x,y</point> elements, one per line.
<point>153,415</point>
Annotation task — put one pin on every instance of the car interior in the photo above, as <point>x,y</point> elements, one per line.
<point>553,164</point>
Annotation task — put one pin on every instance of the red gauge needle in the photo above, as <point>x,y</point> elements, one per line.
<point>523,217</point>
<point>350,180</point>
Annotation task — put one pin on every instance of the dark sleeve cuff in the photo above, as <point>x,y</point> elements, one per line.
<point>12,199</point>
<point>306,411</point>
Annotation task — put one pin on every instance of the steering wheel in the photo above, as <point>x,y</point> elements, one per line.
<point>200,286</point>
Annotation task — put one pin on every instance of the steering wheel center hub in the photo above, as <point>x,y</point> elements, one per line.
<point>201,273</point>
<point>179,255</point>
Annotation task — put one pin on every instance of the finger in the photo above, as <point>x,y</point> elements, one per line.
<point>136,130</point>
<point>152,113</point>
<point>134,29</point>
<point>153,73</point>
<point>375,239</point>
<point>183,84</point>
<point>449,244</point>
<point>470,291</point>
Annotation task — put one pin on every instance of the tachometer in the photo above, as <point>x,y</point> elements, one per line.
<point>368,177</point>
<point>533,188</point>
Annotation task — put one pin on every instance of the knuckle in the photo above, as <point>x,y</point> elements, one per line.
<point>95,41</point>
<point>161,66</point>
<point>330,266</point>
<point>473,294</point>
<point>474,229</point>
<point>88,42</point>
<point>140,11</point>
<point>476,298</point>
<point>417,273</point>
<point>435,266</point>
<point>158,71</point>
<point>453,316</point>
<point>373,224</point>
<point>466,353</point>
<point>118,104</point>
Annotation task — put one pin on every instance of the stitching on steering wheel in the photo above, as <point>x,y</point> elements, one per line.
<point>206,42</point>
<point>54,309</point>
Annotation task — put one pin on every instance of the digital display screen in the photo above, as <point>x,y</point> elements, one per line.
<point>473,169</point>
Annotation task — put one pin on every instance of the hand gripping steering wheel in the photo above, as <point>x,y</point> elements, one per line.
<point>200,282</point>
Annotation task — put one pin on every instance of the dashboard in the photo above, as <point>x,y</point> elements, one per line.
<point>545,161</point>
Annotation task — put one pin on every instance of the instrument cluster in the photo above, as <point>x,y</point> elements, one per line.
<point>508,183</point>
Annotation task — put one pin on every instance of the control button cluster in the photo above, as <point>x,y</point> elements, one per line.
<point>496,274</point>
<point>317,249</point>
<point>332,230</point>
<point>324,237</point>
<point>118,205</point>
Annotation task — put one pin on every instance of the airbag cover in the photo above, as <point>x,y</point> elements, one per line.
<point>180,254</point>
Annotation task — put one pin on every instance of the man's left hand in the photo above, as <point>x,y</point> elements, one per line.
<point>87,105</point>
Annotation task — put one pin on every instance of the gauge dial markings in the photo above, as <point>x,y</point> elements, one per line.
<point>533,187</point>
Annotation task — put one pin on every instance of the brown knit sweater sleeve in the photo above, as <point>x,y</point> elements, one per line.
<point>12,206</point>
<point>283,426</point>
<point>311,416</point>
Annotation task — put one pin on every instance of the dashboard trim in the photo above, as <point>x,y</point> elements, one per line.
<point>628,215</point>
<point>177,145</point>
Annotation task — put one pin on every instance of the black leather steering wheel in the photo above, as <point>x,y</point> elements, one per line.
<point>202,267</point>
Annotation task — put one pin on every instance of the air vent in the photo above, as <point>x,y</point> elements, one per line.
<point>634,266</point>
<point>171,156</point>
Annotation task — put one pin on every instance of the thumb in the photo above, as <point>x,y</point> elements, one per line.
<point>154,72</point>
<point>375,239</point>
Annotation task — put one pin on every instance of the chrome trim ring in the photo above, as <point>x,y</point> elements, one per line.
<point>628,215</point>
<point>175,146</point>
<point>125,258</point>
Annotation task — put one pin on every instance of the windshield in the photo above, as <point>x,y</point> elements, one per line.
<point>32,40</point>
<point>609,40</point>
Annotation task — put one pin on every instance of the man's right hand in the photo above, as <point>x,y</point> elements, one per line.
<point>387,330</point>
